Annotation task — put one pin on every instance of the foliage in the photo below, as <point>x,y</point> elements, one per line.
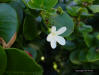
<point>25,24</point>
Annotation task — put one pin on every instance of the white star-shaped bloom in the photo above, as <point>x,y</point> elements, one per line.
<point>55,37</point>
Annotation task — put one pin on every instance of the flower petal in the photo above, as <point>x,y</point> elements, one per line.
<point>53,29</point>
<point>60,40</point>
<point>49,37</point>
<point>61,30</point>
<point>53,44</point>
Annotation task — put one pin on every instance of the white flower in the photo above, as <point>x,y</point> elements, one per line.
<point>54,37</point>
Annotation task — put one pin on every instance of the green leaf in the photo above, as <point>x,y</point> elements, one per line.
<point>84,12</point>
<point>83,1</point>
<point>30,27</point>
<point>74,58</point>
<point>59,20</point>
<point>97,35</point>
<point>78,11</point>
<point>19,2</point>
<point>48,4</point>
<point>94,8</point>
<point>3,61</point>
<point>18,7</point>
<point>85,28</point>
<point>79,57</point>
<point>8,21</point>
<point>40,4</point>
<point>73,11</point>
<point>88,39</point>
<point>21,63</point>
<point>82,56</point>
<point>92,55</point>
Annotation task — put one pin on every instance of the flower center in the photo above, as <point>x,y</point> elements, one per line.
<point>54,34</point>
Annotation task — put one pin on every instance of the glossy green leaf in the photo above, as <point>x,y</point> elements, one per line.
<point>82,1</point>
<point>84,12</point>
<point>40,4</point>
<point>92,55</point>
<point>59,20</point>
<point>18,7</point>
<point>21,63</point>
<point>94,8</point>
<point>74,58</point>
<point>97,36</point>
<point>8,21</point>
<point>3,61</point>
<point>73,11</point>
<point>48,4</point>
<point>82,56</point>
<point>20,3</point>
<point>88,39</point>
<point>63,20</point>
<point>85,28</point>
<point>79,57</point>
